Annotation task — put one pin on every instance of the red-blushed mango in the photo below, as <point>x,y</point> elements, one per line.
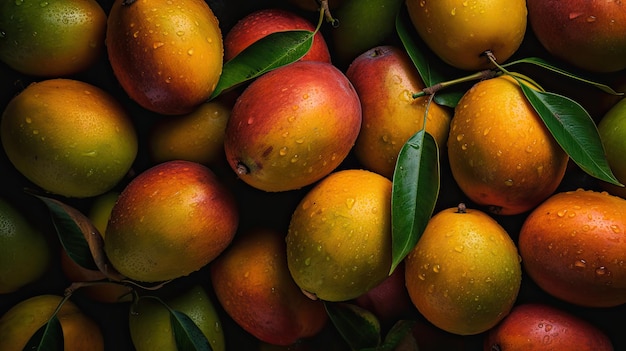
<point>584,33</point>
<point>170,221</point>
<point>166,54</point>
<point>542,327</point>
<point>573,246</point>
<point>261,23</point>
<point>292,126</point>
<point>253,284</point>
<point>385,79</point>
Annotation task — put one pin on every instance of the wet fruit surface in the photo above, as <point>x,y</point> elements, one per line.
<point>464,274</point>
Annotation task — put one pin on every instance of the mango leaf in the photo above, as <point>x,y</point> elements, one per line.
<point>358,327</point>
<point>430,67</point>
<point>80,239</point>
<point>414,193</point>
<point>400,330</point>
<point>187,334</point>
<point>547,65</point>
<point>70,233</point>
<point>268,53</point>
<point>47,338</point>
<point>574,130</point>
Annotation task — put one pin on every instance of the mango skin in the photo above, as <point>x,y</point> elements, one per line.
<point>170,221</point>
<point>587,34</point>
<point>542,327</point>
<point>460,31</point>
<point>263,22</point>
<point>292,126</point>
<point>385,77</point>
<point>253,284</point>
<point>573,246</point>
<point>51,38</point>
<point>167,55</point>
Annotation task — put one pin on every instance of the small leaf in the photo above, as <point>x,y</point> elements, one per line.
<point>574,130</point>
<point>414,194</point>
<point>47,338</point>
<point>396,335</point>
<point>358,327</point>
<point>430,67</point>
<point>268,53</point>
<point>547,65</point>
<point>80,239</point>
<point>187,334</point>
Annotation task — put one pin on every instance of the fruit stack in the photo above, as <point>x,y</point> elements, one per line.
<point>312,175</point>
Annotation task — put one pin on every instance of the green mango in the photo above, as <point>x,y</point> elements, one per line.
<point>362,25</point>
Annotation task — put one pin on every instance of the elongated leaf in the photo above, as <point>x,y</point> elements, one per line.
<point>268,53</point>
<point>187,334</point>
<point>358,326</point>
<point>70,233</point>
<point>574,130</point>
<point>414,194</point>
<point>47,338</point>
<point>547,65</point>
<point>80,239</point>
<point>430,68</point>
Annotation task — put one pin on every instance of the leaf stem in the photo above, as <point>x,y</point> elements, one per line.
<point>485,74</point>
<point>515,75</point>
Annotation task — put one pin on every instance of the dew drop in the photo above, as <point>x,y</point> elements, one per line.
<point>615,228</point>
<point>307,261</point>
<point>29,120</point>
<point>459,137</point>
<point>190,52</point>
<point>250,120</point>
<point>580,264</point>
<point>157,44</point>
<point>453,12</point>
<point>282,151</point>
<point>459,248</point>
<point>591,19</point>
<point>436,268</point>
<point>422,276</point>
<point>43,4</point>
<point>508,182</point>
<point>601,271</point>
<point>574,15</point>
<point>350,202</point>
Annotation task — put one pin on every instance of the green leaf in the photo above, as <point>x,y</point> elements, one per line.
<point>547,65</point>
<point>395,336</point>
<point>358,327</point>
<point>187,334</point>
<point>268,53</point>
<point>574,130</point>
<point>414,194</point>
<point>430,68</point>
<point>70,233</point>
<point>47,338</point>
